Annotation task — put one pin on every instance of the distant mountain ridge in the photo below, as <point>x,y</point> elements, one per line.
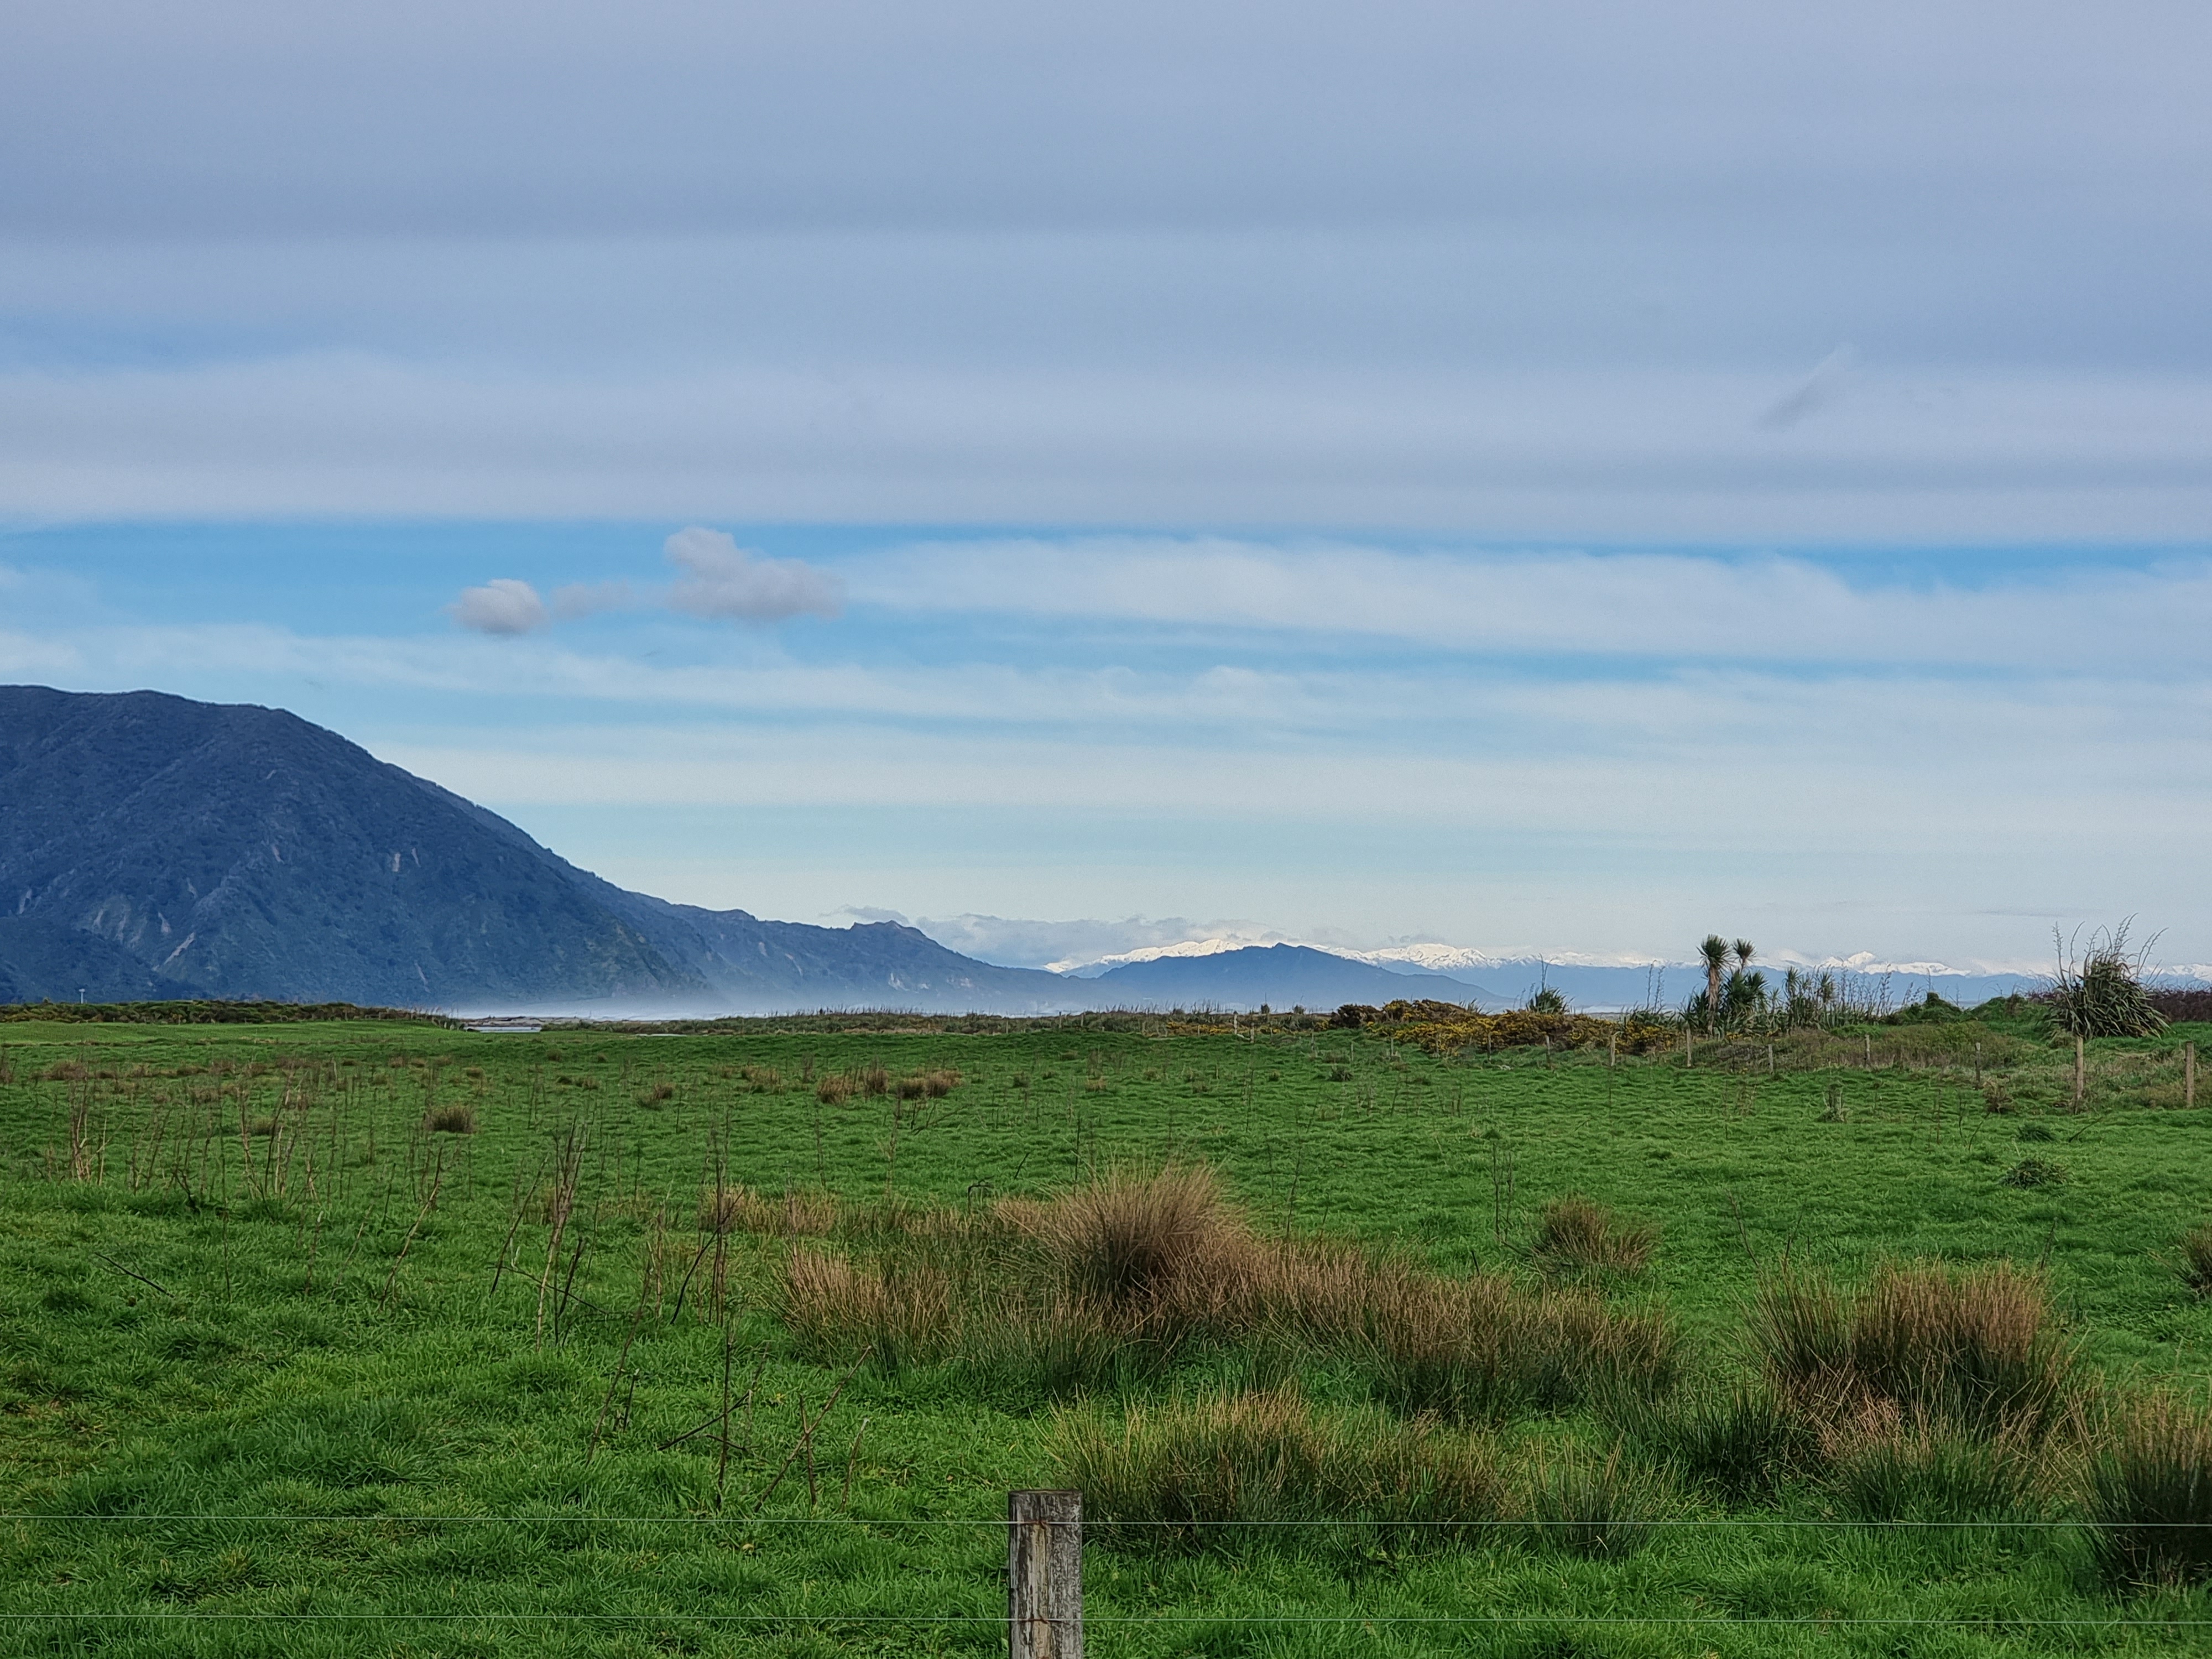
<point>1280,976</point>
<point>1592,984</point>
<point>152,846</point>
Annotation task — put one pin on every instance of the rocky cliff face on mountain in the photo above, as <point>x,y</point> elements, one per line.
<point>151,846</point>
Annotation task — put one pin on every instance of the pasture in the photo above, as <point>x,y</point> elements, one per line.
<point>389,1338</point>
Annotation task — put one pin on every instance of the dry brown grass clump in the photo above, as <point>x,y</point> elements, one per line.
<point>928,1086</point>
<point>834,1090</point>
<point>1165,1256</point>
<point>450,1120</point>
<point>1576,1236</point>
<point>801,1213</point>
<point>1139,1243</point>
<point>1189,1469</point>
<point>1481,1347</point>
<point>1976,1348</point>
<point>904,1311</point>
<point>1111,1281</point>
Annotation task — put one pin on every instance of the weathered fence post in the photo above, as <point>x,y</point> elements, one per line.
<point>2081,1070</point>
<point>2188,1073</point>
<point>1044,1575</point>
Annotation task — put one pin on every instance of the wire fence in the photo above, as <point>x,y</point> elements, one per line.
<point>1060,1583</point>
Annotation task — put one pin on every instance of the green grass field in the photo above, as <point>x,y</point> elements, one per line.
<point>273,1345</point>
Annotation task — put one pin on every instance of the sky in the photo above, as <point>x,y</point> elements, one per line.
<point>1569,478</point>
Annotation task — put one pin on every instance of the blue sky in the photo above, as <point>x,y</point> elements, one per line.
<point>1569,477</point>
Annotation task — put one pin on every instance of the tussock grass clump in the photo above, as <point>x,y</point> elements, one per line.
<point>1884,1468</point>
<point>904,1311</point>
<point>834,1090</point>
<point>1602,1508</point>
<point>1133,1241</point>
<point>1116,1279</point>
<point>1974,1347</point>
<point>450,1120</point>
<point>1576,1237</point>
<point>2150,1494</point>
<point>1741,1443</point>
<point>928,1085</point>
<point>1480,1348</point>
<point>800,1214</point>
<point>2035,1172</point>
<point>1170,1474</point>
<point>2194,1262</point>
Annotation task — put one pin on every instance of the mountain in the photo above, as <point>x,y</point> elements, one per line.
<point>1279,975</point>
<point>151,846</point>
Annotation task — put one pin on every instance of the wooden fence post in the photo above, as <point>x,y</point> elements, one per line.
<point>1044,1575</point>
<point>2081,1070</point>
<point>2188,1073</point>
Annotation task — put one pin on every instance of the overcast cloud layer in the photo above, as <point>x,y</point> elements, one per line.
<point>1908,273</point>
<point>1567,476</point>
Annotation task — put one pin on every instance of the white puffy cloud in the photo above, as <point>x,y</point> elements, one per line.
<point>506,607</point>
<point>727,583</point>
<point>503,605</point>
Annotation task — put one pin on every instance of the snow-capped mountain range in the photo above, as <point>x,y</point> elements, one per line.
<point>1460,959</point>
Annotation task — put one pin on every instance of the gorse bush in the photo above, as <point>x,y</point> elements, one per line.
<point>1177,1473</point>
<point>2150,1494</point>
